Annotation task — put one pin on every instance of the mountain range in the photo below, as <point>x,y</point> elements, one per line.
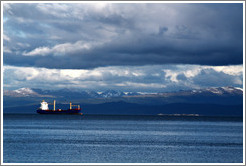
<point>28,92</point>
<point>226,100</point>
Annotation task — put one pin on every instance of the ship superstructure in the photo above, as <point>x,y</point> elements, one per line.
<point>44,109</point>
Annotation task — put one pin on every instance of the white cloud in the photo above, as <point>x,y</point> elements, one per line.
<point>60,49</point>
<point>77,10</point>
<point>172,75</point>
<point>231,70</point>
<point>55,9</point>
<point>7,8</point>
<point>38,51</point>
<point>190,71</point>
<point>150,78</point>
<point>5,37</point>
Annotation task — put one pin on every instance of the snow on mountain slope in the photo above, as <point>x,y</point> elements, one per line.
<point>28,92</point>
<point>23,92</point>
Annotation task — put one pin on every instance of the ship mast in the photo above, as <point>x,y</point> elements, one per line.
<point>54,105</point>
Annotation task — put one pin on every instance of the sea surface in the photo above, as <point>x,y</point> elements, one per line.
<point>34,138</point>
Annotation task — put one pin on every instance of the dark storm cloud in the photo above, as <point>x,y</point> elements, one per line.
<point>86,36</point>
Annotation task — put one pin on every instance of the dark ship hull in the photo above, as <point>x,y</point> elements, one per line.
<point>60,111</point>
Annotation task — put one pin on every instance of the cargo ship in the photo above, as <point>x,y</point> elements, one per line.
<point>44,109</point>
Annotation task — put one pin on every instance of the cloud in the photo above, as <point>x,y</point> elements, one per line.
<point>5,37</point>
<point>232,70</point>
<point>91,35</point>
<point>59,49</point>
<point>156,78</point>
<point>216,78</point>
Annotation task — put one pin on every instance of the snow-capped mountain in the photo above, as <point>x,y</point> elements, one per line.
<point>220,91</point>
<point>112,93</point>
<point>27,92</point>
<point>220,95</point>
<point>20,92</point>
<point>23,92</point>
<point>66,93</point>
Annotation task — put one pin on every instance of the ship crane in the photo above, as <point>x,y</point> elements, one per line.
<point>74,105</point>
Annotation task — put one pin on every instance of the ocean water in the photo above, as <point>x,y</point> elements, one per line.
<point>34,138</point>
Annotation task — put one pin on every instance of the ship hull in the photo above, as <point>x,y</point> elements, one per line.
<point>59,111</point>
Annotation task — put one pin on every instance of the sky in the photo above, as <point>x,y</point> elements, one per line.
<point>149,47</point>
